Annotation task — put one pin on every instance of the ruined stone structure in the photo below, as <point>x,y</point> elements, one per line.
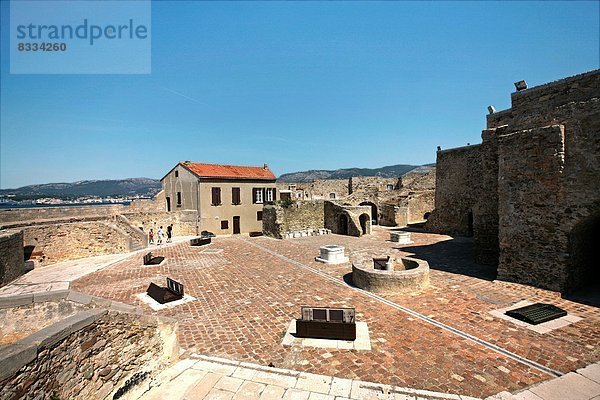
<point>316,215</point>
<point>530,192</point>
<point>393,201</point>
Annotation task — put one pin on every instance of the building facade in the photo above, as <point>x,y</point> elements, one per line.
<point>228,199</point>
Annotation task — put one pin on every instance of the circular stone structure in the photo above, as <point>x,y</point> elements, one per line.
<point>390,274</point>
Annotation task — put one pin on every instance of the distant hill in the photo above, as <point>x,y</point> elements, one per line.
<point>100,188</point>
<point>391,171</point>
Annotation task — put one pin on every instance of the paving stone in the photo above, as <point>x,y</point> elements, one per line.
<point>295,394</point>
<point>526,395</point>
<point>592,372</point>
<point>340,387</point>
<point>201,387</point>
<point>216,394</point>
<point>249,391</point>
<point>228,383</point>
<point>270,378</point>
<point>244,373</point>
<point>320,396</point>
<point>314,383</point>
<point>176,388</point>
<point>272,392</point>
<point>571,386</point>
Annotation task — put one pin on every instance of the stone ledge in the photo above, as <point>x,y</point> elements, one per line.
<point>13,358</point>
<point>16,300</point>
<point>16,356</point>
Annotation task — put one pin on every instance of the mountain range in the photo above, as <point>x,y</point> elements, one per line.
<point>148,187</point>
<point>100,188</point>
<point>390,171</point>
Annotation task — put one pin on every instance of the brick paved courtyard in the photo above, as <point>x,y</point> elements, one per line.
<point>248,293</point>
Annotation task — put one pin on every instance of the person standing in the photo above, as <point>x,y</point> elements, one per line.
<point>160,233</point>
<point>169,233</point>
<point>151,237</point>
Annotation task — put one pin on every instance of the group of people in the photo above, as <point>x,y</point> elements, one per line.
<point>160,234</point>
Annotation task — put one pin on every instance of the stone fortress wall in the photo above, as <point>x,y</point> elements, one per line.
<point>530,192</point>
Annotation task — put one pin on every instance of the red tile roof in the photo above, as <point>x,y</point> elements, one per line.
<point>229,171</point>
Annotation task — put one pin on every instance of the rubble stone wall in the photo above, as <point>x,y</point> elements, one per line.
<point>300,215</point>
<point>42,213</point>
<point>69,241</point>
<point>103,351</point>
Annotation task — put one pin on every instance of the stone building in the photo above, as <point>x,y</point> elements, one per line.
<point>393,201</point>
<point>228,199</point>
<point>530,192</point>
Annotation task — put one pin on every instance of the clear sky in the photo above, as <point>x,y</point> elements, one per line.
<point>298,85</point>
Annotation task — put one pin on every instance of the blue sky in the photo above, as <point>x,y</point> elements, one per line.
<point>299,85</point>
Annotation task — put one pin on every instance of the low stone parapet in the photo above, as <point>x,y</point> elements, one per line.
<point>389,274</point>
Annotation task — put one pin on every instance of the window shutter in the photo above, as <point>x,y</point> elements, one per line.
<point>274,194</point>
<point>264,195</point>
<point>253,196</point>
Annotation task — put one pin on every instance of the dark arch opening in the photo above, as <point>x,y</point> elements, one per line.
<point>426,215</point>
<point>343,224</point>
<point>374,215</point>
<point>28,251</point>
<point>584,269</point>
<point>364,220</point>
<point>470,224</point>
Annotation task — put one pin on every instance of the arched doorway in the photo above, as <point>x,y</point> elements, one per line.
<point>364,220</point>
<point>584,241</point>
<point>374,215</point>
<point>343,224</point>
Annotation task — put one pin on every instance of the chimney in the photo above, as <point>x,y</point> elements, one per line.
<point>266,166</point>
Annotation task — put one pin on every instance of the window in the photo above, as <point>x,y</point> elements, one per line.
<point>332,195</point>
<point>389,187</point>
<point>176,174</point>
<point>257,196</point>
<point>271,194</point>
<point>178,199</point>
<point>225,224</point>
<point>235,196</point>
<point>216,196</point>
<point>259,215</point>
<point>319,314</point>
